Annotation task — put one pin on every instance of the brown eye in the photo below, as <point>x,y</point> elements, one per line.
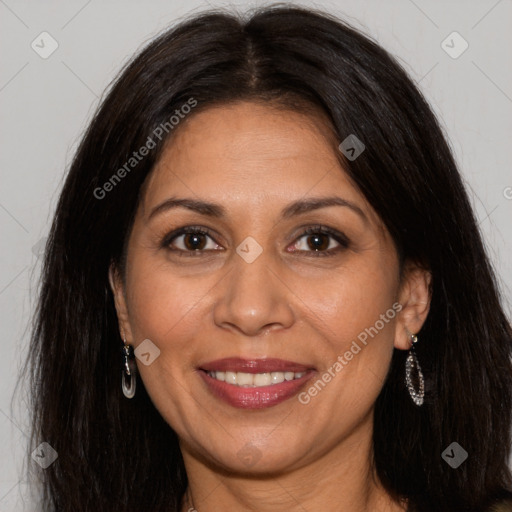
<point>194,241</point>
<point>318,242</point>
<point>189,241</point>
<point>321,241</point>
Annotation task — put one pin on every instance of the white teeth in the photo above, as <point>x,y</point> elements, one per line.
<point>244,379</point>
<point>255,379</point>
<point>262,379</point>
<point>277,377</point>
<point>230,377</point>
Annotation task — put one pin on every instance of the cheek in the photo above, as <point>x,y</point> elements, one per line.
<point>354,313</point>
<point>161,304</point>
<point>163,308</point>
<point>353,299</point>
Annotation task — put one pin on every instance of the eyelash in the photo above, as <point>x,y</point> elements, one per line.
<point>312,230</point>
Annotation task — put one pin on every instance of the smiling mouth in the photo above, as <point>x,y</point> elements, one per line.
<point>254,383</point>
<point>255,380</point>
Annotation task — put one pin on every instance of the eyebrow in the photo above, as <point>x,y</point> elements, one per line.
<point>298,207</point>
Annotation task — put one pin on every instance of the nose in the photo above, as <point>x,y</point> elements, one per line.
<point>252,298</point>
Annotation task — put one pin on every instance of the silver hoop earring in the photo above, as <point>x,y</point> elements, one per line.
<point>412,366</point>
<point>129,371</point>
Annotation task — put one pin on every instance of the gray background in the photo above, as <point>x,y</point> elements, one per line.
<point>45,105</point>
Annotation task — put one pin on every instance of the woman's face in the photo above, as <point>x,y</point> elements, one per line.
<point>329,306</point>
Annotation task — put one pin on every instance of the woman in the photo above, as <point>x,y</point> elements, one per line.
<point>265,289</point>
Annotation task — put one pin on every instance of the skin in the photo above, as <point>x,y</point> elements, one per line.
<point>254,160</point>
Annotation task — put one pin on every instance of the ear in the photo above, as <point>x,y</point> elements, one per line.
<point>117,287</point>
<point>414,296</point>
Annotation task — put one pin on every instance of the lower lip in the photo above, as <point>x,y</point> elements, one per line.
<point>257,397</point>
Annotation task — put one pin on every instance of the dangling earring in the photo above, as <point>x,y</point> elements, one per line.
<point>129,371</point>
<point>412,364</point>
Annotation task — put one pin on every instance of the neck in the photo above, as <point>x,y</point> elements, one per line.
<point>341,479</point>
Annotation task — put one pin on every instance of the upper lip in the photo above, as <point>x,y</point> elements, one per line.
<point>267,365</point>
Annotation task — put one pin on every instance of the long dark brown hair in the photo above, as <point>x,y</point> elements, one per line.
<point>117,455</point>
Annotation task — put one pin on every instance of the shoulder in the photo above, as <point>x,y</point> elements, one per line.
<point>502,506</point>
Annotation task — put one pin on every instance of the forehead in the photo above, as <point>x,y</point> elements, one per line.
<point>248,130</point>
<point>246,153</point>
